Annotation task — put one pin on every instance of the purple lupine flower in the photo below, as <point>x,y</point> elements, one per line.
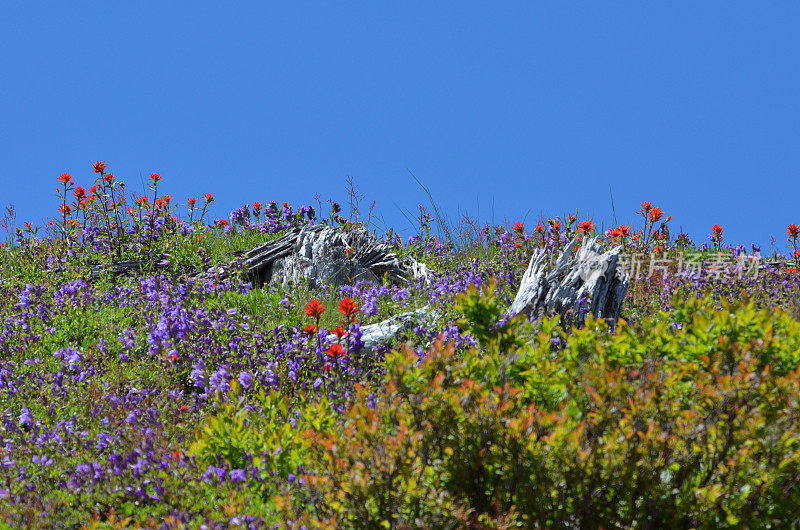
<point>238,475</point>
<point>246,379</point>
<point>25,419</point>
<point>219,381</point>
<point>199,374</point>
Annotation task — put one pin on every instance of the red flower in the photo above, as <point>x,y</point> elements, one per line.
<point>793,230</point>
<point>519,227</point>
<point>310,329</point>
<point>646,206</point>
<point>155,177</point>
<point>716,230</point>
<point>339,331</point>
<point>79,193</point>
<point>586,226</point>
<point>572,218</point>
<point>655,214</point>
<point>315,308</point>
<point>160,203</point>
<point>347,307</point>
<point>257,206</point>
<point>327,367</point>
<point>556,225</point>
<point>348,251</point>
<point>334,350</point>
<point>65,209</point>
<point>191,201</point>
<point>658,249</point>
<point>517,245</point>
<point>184,408</point>
<point>65,178</point>
<point>167,198</point>
<point>99,167</point>
<point>142,201</point>
<point>222,222</point>
<point>539,228</point>
<point>209,198</point>
<point>109,178</point>
<point>176,455</point>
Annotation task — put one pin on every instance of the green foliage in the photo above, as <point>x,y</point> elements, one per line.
<point>483,317</point>
<point>684,426</point>
<point>260,429</point>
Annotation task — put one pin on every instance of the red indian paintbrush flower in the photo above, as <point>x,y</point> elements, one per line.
<point>65,209</point>
<point>209,198</point>
<point>519,227</point>
<point>339,331</point>
<point>65,178</point>
<point>334,350</point>
<point>716,233</point>
<point>257,207</point>
<point>347,307</point>
<point>100,167</point>
<point>793,230</point>
<point>79,193</point>
<point>655,214</point>
<point>586,226</point>
<point>646,207</point>
<point>315,308</point>
<point>191,201</point>
<point>155,177</point>
<point>310,329</point>
<point>539,228</point>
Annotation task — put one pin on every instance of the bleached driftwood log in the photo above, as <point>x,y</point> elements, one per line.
<point>320,255</point>
<point>119,268</point>
<point>587,277</point>
<point>387,330</point>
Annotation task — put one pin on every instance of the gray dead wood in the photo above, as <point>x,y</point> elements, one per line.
<point>587,275</point>
<point>318,254</point>
<point>387,330</point>
<point>119,268</point>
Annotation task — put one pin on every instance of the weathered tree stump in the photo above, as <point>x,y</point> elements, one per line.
<point>324,255</point>
<point>589,277</point>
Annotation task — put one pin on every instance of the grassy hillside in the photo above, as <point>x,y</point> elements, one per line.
<point>155,399</point>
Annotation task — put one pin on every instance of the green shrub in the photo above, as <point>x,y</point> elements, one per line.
<point>695,425</point>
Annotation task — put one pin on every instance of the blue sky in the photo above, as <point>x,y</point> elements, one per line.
<point>510,109</point>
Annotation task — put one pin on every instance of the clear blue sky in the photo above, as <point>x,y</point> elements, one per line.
<point>523,107</point>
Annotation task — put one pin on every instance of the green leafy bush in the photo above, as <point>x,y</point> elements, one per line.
<point>693,425</point>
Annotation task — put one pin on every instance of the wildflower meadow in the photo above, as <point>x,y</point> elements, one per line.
<point>161,398</point>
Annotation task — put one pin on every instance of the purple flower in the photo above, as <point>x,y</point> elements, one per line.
<point>246,380</point>
<point>199,374</point>
<point>238,475</point>
<point>25,419</point>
